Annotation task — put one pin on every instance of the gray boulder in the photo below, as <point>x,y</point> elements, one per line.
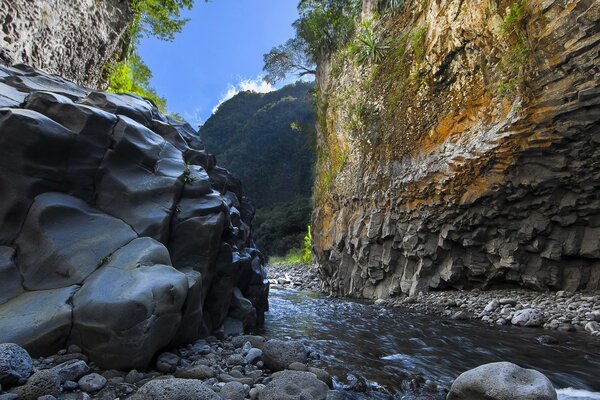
<point>279,354</point>
<point>126,230</point>
<point>175,389</point>
<point>528,317</point>
<point>502,381</point>
<point>15,364</point>
<point>293,385</point>
<point>150,296</point>
<point>45,382</point>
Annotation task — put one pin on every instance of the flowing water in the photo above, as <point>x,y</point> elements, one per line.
<point>391,347</point>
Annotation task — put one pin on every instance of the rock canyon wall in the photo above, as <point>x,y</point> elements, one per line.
<point>469,156</point>
<point>71,38</point>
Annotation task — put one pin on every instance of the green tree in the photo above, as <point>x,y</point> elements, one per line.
<point>158,18</point>
<point>291,57</point>
<point>323,26</point>
<point>133,76</point>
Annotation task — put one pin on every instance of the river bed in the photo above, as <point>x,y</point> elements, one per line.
<point>391,347</point>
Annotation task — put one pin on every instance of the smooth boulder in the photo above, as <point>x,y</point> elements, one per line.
<point>502,381</point>
<point>279,354</point>
<point>293,385</point>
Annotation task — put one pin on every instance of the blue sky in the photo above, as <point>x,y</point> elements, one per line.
<point>219,52</point>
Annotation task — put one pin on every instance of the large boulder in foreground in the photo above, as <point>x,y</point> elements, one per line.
<point>118,232</point>
<point>502,381</point>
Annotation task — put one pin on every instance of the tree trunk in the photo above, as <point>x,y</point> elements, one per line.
<point>369,8</point>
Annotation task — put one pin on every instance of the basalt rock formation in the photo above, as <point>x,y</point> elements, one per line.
<point>118,233</point>
<point>72,38</point>
<point>469,156</point>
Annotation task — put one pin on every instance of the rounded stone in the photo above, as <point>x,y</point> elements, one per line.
<point>42,383</point>
<point>292,385</point>
<point>502,381</point>
<point>530,317</point>
<point>15,364</point>
<point>92,383</point>
<point>279,354</point>
<point>233,391</point>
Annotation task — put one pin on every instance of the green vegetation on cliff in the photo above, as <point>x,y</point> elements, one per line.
<point>267,140</point>
<point>158,18</point>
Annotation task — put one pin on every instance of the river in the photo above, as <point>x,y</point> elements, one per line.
<point>392,347</point>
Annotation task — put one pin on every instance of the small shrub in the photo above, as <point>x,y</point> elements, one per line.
<point>368,47</point>
<point>516,56</point>
<point>307,249</point>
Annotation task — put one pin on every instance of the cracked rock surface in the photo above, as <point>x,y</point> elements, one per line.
<point>118,232</point>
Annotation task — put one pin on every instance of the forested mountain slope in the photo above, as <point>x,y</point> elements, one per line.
<point>267,141</point>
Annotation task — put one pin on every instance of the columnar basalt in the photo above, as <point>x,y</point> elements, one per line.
<point>118,233</point>
<point>469,157</point>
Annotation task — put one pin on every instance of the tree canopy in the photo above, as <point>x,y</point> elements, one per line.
<point>322,27</point>
<point>158,18</point>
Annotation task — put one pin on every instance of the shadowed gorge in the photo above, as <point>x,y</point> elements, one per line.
<point>383,199</point>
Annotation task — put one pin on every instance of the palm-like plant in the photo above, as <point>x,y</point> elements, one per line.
<point>390,6</point>
<point>368,46</point>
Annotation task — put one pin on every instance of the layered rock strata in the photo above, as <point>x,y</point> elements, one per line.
<point>468,157</point>
<point>118,233</point>
<point>72,38</point>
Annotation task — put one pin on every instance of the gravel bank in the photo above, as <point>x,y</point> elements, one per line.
<point>564,311</point>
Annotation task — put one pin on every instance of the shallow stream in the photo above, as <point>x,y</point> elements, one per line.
<point>391,347</point>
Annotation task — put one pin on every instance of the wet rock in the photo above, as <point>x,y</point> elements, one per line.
<point>278,354</point>
<point>502,381</point>
<point>45,382</point>
<point>290,385</point>
<point>175,389</point>
<point>528,317</point>
<point>547,339</point>
<point>322,375</point>
<point>15,364</point>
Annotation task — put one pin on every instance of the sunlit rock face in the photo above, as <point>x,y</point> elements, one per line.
<point>72,38</point>
<point>118,232</point>
<point>468,157</point>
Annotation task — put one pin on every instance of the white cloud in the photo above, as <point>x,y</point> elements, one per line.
<point>194,117</point>
<point>258,85</point>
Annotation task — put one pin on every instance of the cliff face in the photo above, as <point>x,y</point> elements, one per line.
<point>71,38</point>
<point>118,232</point>
<point>469,156</point>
